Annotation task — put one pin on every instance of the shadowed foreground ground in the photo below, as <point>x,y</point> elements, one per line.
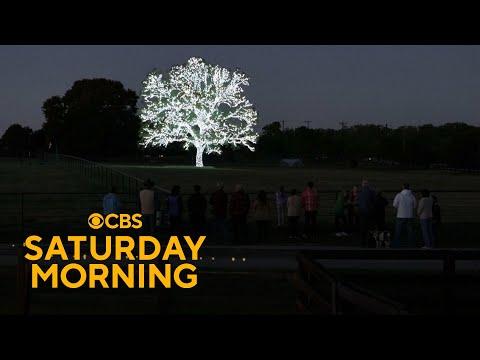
<point>263,287</point>
<point>216,294</point>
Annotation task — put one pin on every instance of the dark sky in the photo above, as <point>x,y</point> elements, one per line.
<point>397,84</point>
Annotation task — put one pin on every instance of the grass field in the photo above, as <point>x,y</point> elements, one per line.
<point>270,178</point>
<point>38,180</point>
<point>41,176</point>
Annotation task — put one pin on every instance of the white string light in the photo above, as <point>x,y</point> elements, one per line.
<point>200,105</point>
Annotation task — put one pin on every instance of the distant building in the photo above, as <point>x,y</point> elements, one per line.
<point>291,163</point>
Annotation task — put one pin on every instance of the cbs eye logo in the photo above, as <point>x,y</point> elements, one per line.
<point>95,221</point>
<point>123,221</point>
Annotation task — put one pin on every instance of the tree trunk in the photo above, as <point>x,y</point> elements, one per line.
<point>199,158</point>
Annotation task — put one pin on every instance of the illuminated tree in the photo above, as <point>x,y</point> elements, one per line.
<point>200,105</point>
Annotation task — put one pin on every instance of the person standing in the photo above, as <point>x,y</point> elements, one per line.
<point>379,211</point>
<point>111,205</point>
<point>425,213</point>
<point>339,210</point>
<point>219,202</point>
<point>147,201</point>
<point>261,214</point>
<point>238,208</point>
<point>281,202</point>
<point>310,205</point>
<point>294,207</point>
<point>175,210</point>
<point>405,203</point>
<point>111,202</point>
<point>352,212</point>
<point>197,206</point>
<point>365,200</point>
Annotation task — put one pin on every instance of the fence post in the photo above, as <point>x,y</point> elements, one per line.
<point>22,223</point>
<point>23,297</point>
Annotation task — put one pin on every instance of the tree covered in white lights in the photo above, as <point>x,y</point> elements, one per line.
<point>200,105</point>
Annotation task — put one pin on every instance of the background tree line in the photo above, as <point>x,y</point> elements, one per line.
<point>98,119</point>
<point>94,119</point>
<point>456,144</point>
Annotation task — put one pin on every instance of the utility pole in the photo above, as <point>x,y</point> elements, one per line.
<point>283,125</point>
<point>344,126</point>
<point>308,123</point>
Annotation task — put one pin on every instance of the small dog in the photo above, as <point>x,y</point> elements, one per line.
<point>381,238</point>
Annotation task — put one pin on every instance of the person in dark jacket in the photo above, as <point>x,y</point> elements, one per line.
<point>238,208</point>
<point>379,211</point>
<point>262,215</point>
<point>175,210</point>
<point>365,200</point>
<point>197,206</point>
<point>219,202</point>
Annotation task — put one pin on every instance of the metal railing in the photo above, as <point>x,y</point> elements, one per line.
<point>320,291</point>
<point>106,176</point>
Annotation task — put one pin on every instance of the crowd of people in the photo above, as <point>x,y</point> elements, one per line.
<point>358,212</point>
<point>363,210</point>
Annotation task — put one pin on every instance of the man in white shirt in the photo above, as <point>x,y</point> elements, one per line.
<point>405,203</point>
